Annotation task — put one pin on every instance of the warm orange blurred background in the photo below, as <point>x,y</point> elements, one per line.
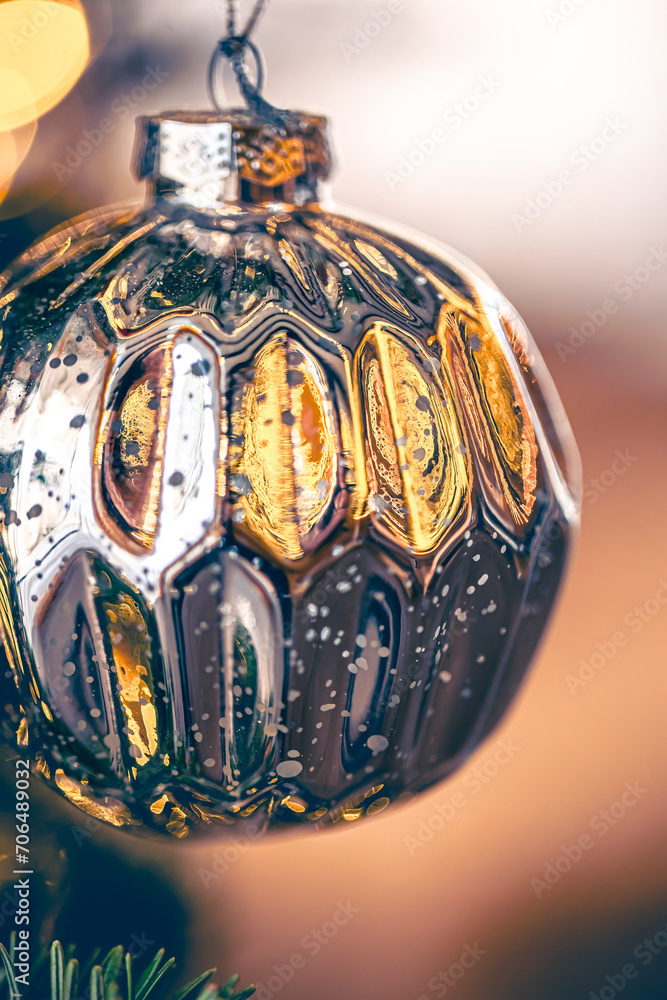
<point>551,175</point>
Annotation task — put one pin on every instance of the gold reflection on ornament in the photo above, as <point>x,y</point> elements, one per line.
<point>376,258</point>
<point>42,766</point>
<point>177,824</point>
<point>22,732</point>
<point>495,405</point>
<point>131,447</point>
<point>499,422</point>
<point>208,816</point>
<point>294,804</point>
<point>44,48</point>
<point>138,426</point>
<point>416,466</point>
<point>378,806</point>
<point>113,297</point>
<point>271,160</point>
<point>131,652</point>
<point>328,238</point>
<point>108,809</point>
<point>290,258</point>
<point>8,635</point>
<point>284,451</point>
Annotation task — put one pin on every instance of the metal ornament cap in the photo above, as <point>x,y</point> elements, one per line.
<point>207,159</point>
<point>286,496</point>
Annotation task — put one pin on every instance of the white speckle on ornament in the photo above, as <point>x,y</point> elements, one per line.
<point>293,753</point>
<point>343,586</point>
<point>377,743</point>
<point>289,768</point>
<point>209,762</point>
<point>482,580</point>
<point>445,676</point>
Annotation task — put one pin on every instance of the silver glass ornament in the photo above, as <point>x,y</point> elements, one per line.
<point>285,497</point>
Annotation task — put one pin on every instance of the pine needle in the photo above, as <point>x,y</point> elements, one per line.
<point>112,979</point>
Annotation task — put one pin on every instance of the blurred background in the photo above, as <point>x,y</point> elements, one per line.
<point>530,135</point>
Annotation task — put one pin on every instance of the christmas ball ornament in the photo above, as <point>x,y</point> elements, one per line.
<point>286,497</point>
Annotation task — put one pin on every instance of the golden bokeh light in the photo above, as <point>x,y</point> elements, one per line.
<point>44,48</point>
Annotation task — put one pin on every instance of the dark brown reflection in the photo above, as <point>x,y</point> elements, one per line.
<point>229,631</point>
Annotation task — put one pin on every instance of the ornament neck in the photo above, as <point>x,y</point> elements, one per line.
<point>215,159</point>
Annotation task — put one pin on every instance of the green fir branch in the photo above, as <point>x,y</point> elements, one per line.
<point>113,978</point>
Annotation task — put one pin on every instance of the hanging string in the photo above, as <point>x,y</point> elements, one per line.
<point>234,48</point>
<point>255,14</point>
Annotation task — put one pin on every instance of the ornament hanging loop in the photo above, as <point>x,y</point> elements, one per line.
<point>233,48</point>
